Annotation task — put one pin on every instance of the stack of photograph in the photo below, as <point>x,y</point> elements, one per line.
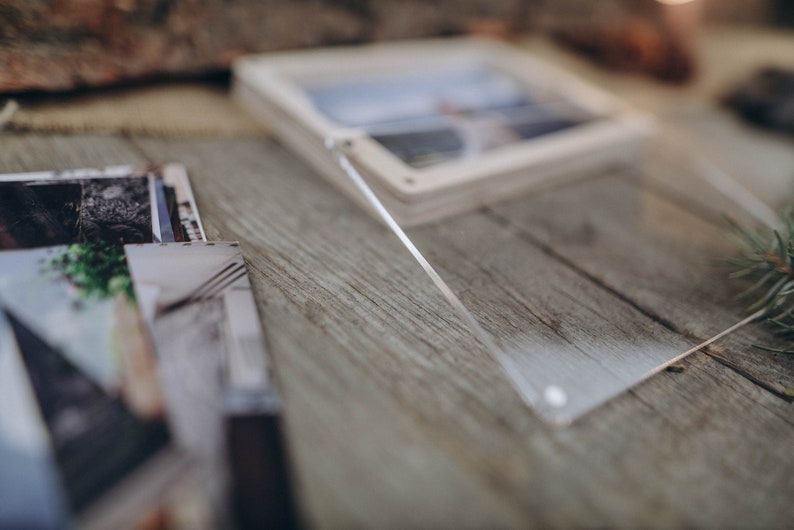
<point>130,353</point>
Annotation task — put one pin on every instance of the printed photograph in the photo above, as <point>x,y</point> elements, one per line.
<point>81,406</point>
<point>197,300</point>
<point>455,112</point>
<point>121,204</point>
<point>179,202</point>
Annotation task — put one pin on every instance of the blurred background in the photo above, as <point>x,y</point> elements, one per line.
<point>62,45</point>
<point>149,71</point>
<point>51,51</point>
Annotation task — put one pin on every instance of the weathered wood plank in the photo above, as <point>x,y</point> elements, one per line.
<point>395,419</point>
<point>568,316</point>
<point>30,152</point>
<point>377,371</point>
<point>304,247</point>
<point>446,487</point>
<point>657,255</point>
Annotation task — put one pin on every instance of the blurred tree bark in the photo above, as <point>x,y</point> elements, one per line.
<point>66,44</point>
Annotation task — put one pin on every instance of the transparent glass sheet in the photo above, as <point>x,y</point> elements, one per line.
<point>575,289</point>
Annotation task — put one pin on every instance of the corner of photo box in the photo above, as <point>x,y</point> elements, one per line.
<point>277,101</point>
<point>341,167</point>
<point>279,108</point>
<point>324,61</point>
<point>279,116</point>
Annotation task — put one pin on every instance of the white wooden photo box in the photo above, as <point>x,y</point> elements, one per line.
<point>438,127</point>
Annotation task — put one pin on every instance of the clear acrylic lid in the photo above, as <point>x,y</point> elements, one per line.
<point>582,290</point>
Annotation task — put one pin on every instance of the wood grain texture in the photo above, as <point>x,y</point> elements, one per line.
<point>29,152</point>
<point>397,418</point>
<point>658,256</point>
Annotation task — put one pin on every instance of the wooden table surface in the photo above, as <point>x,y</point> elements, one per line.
<point>397,418</point>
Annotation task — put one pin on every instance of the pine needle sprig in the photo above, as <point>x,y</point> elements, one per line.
<point>766,262</point>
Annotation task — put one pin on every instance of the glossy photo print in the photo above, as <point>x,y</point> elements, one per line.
<point>197,301</point>
<point>119,204</point>
<point>81,406</point>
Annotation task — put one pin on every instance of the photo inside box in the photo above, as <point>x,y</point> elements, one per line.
<point>80,402</point>
<point>451,112</point>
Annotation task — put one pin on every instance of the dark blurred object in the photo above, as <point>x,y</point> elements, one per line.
<point>766,99</point>
<point>654,37</point>
<point>784,13</point>
<point>61,45</point>
<point>262,492</point>
<point>635,46</point>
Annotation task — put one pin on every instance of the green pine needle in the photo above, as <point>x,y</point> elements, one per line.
<point>773,350</point>
<point>766,262</point>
